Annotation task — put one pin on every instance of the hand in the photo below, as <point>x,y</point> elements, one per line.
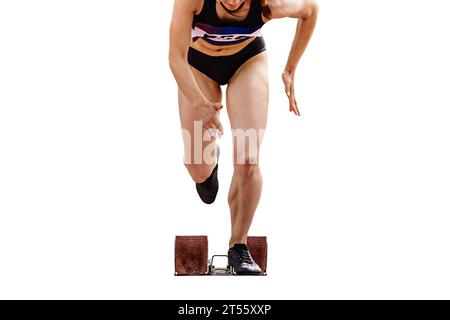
<point>209,115</point>
<point>288,79</point>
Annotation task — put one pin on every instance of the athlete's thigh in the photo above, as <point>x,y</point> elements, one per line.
<point>188,115</point>
<point>247,106</point>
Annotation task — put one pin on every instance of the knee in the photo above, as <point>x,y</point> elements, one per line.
<point>246,158</point>
<point>197,172</point>
<point>246,166</point>
<point>246,170</point>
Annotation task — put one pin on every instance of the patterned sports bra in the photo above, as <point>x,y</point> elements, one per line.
<point>216,37</point>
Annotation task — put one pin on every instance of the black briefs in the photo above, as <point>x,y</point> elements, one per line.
<point>222,68</point>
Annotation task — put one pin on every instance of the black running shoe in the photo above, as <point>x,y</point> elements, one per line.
<point>207,190</point>
<point>241,262</point>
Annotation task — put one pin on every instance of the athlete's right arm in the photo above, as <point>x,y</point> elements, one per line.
<point>180,38</point>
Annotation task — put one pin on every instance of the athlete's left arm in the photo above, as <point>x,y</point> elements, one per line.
<point>306,12</point>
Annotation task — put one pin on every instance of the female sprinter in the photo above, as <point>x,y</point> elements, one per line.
<point>219,42</point>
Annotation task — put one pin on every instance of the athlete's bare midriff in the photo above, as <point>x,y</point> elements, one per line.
<point>216,51</point>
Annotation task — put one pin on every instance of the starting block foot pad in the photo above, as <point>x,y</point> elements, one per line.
<point>258,249</point>
<point>191,255</point>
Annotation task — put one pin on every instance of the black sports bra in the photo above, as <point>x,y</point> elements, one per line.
<point>208,15</point>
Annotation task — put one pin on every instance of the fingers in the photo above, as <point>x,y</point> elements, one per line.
<point>211,123</point>
<point>218,106</point>
<point>289,87</point>
<point>215,120</point>
<point>295,109</point>
<point>218,125</point>
<point>288,80</point>
<point>214,127</point>
<point>212,134</point>
<point>291,99</point>
<point>293,103</point>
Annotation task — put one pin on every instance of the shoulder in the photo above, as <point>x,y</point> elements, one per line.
<point>292,8</point>
<point>310,7</point>
<point>188,6</point>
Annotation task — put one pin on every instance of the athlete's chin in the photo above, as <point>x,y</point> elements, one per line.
<point>231,6</point>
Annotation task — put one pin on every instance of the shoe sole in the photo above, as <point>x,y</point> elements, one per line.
<point>234,272</point>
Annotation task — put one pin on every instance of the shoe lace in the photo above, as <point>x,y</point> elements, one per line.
<point>243,255</point>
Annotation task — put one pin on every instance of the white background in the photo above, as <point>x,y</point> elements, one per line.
<point>93,190</point>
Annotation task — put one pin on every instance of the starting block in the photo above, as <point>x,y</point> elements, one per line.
<point>191,256</point>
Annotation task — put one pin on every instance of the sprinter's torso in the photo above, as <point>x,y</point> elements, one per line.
<point>220,36</point>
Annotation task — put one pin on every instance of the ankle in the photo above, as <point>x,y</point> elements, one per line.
<point>232,242</point>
